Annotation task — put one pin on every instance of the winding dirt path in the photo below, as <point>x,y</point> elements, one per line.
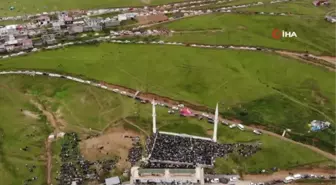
<point>55,123</point>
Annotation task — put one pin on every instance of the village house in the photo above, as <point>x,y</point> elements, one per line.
<point>17,44</point>
<point>68,20</point>
<point>27,44</point>
<point>48,39</point>
<point>56,26</point>
<point>43,20</point>
<point>125,16</point>
<point>95,24</point>
<point>111,23</point>
<point>2,48</point>
<point>74,29</point>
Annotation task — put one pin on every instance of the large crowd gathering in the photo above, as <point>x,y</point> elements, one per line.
<point>75,168</point>
<point>135,153</point>
<point>192,151</point>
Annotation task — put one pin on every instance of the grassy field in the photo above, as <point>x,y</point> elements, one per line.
<point>18,131</point>
<point>34,6</point>
<point>56,93</point>
<point>314,35</point>
<point>255,87</point>
<point>302,7</point>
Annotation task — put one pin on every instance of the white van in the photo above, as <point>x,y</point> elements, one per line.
<point>241,127</point>
<point>232,126</point>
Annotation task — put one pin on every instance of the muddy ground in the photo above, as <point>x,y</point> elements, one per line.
<point>112,143</point>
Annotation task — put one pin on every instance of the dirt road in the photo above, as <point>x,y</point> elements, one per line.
<point>283,174</point>
<point>49,160</point>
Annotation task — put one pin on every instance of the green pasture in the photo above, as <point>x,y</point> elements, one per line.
<point>255,87</point>
<point>35,6</point>
<point>55,98</point>
<point>18,131</point>
<point>302,7</point>
<point>314,35</point>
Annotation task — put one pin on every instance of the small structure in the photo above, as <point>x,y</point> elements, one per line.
<point>122,17</point>
<point>43,20</point>
<point>2,49</point>
<point>27,44</point>
<point>48,39</point>
<point>111,23</point>
<point>112,181</point>
<point>76,29</point>
<point>56,26</point>
<point>125,16</point>
<point>95,24</point>
<point>68,20</point>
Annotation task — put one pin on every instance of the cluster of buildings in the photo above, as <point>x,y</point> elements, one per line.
<point>47,30</point>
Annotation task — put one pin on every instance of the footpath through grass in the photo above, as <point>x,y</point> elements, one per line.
<point>314,35</point>
<point>67,99</point>
<point>256,87</point>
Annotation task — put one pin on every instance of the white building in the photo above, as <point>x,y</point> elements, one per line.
<point>167,175</point>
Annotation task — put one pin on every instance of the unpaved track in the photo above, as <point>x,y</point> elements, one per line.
<point>283,174</point>
<point>49,160</point>
<point>56,125</point>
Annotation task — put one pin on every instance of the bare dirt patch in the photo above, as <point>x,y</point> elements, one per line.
<point>56,121</point>
<point>111,143</point>
<point>30,114</point>
<point>209,132</point>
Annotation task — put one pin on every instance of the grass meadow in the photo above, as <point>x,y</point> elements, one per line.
<point>257,88</point>
<point>302,7</point>
<point>314,35</point>
<point>34,6</point>
<point>15,133</point>
<point>83,107</point>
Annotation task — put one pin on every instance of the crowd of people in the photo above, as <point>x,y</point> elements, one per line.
<point>192,151</point>
<point>135,153</point>
<point>75,168</point>
<point>165,165</point>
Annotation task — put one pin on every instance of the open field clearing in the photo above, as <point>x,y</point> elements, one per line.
<point>302,7</point>
<point>33,6</point>
<point>277,152</point>
<point>267,89</point>
<point>314,35</point>
<point>18,130</point>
